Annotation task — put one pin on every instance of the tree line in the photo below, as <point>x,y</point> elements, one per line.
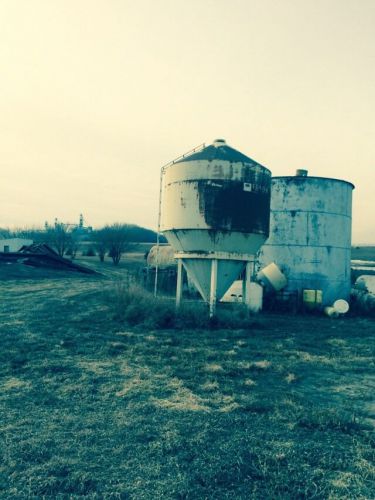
<point>111,240</point>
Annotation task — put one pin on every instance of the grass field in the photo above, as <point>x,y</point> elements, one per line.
<point>363,253</point>
<point>91,408</point>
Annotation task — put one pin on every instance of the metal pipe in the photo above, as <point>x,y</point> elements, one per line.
<point>158,236</point>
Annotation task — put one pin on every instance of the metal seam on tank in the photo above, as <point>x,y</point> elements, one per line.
<point>310,178</point>
<point>255,167</point>
<point>205,180</point>
<point>311,211</point>
<point>188,165</point>
<point>292,245</point>
<point>253,178</point>
<point>208,229</point>
<point>328,279</point>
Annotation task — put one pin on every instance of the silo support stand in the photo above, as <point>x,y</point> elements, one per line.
<point>213,288</point>
<point>246,284</point>
<point>179,283</point>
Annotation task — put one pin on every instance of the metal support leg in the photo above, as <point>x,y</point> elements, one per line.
<point>213,288</point>
<point>246,284</point>
<point>179,283</point>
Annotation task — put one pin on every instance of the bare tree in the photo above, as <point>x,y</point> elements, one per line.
<point>74,244</point>
<point>113,239</point>
<point>60,238</point>
<point>37,234</point>
<point>100,241</point>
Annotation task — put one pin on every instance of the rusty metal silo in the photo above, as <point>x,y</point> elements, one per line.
<point>310,234</point>
<point>215,206</point>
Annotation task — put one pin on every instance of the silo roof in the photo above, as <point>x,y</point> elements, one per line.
<point>219,151</point>
<point>306,178</point>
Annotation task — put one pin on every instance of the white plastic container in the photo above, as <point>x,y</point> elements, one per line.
<point>272,275</point>
<point>341,306</point>
<point>255,297</point>
<point>331,312</point>
<point>366,282</point>
<point>234,293</point>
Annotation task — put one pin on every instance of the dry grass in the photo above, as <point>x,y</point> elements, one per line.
<point>13,383</point>
<point>249,382</point>
<point>290,378</point>
<point>213,368</point>
<point>94,407</point>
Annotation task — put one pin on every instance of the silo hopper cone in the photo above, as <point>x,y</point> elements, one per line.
<point>199,271</point>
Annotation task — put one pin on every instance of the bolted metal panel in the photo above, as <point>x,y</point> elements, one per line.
<point>310,234</point>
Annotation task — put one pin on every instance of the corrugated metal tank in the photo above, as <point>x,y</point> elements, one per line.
<point>310,234</point>
<point>215,200</point>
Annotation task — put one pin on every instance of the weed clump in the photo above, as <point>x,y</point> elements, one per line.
<point>331,420</point>
<point>137,306</point>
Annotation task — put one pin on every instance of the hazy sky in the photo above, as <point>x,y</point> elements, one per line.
<point>96,95</point>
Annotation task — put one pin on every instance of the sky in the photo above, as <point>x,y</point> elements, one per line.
<point>97,95</point>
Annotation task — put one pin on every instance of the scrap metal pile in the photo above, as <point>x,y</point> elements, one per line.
<point>42,255</point>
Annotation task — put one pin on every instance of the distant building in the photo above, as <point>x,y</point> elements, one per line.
<point>78,228</point>
<point>13,244</point>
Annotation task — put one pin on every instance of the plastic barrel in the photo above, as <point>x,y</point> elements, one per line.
<point>272,275</point>
<point>256,297</point>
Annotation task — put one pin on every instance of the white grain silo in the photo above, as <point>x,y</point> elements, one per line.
<point>310,234</point>
<point>215,205</point>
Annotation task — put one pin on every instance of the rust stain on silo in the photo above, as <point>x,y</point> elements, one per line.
<point>226,205</point>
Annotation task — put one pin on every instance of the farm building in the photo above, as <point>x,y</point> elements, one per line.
<point>13,244</point>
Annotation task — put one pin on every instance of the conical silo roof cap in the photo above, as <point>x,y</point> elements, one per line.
<point>219,150</point>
